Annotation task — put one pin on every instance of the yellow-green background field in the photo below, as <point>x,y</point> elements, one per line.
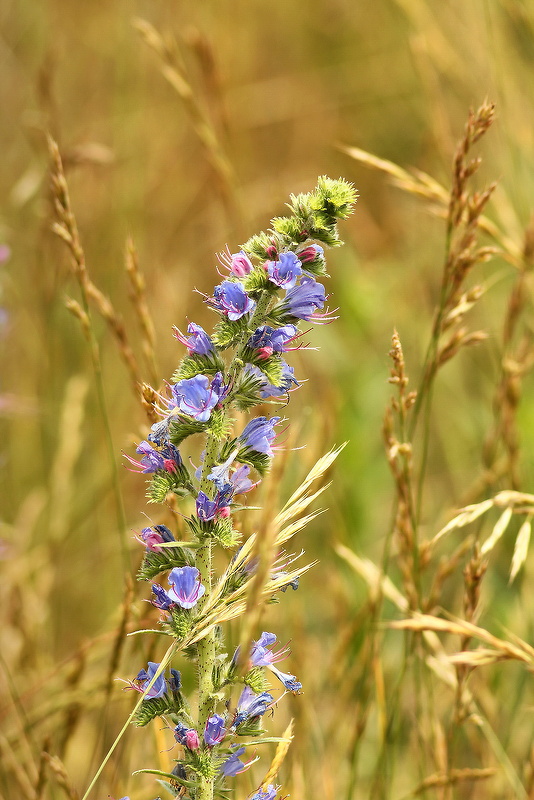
<point>268,96</point>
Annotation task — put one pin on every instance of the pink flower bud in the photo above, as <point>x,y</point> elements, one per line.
<point>224,512</point>
<point>241,264</point>
<point>192,742</point>
<point>263,353</point>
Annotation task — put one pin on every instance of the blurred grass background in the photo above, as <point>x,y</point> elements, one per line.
<point>281,85</point>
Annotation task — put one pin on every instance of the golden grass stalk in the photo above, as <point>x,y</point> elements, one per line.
<point>67,230</point>
<point>138,297</point>
<point>451,778</point>
<point>168,55</point>
<point>521,651</point>
<point>279,756</point>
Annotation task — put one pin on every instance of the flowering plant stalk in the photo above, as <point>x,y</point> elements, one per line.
<point>271,286</point>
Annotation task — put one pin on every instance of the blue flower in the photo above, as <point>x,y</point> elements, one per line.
<point>236,483</point>
<point>303,300</point>
<point>251,704</point>
<point>186,588</point>
<point>240,481</point>
<point>287,380</point>
<point>230,298</point>
<point>152,537</point>
<point>194,396</point>
<point>259,434</point>
<point>214,731</point>
<point>289,681</point>
<point>152,460</point>
<point>175,681</point>
<point>161,598</point>
<point>208,509</point>
<point>145,676</point>
<point>168,458</point>
<point>285,271</point>
<point>268,794</point>
<point>262,656</point>
<point>272,340</point>
<point>198,342</point>
<point>233,766</point>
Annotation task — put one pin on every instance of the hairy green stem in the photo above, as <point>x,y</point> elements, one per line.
<point>206,646</point>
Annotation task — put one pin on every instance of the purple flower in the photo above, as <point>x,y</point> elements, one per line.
<point>236,483</point>
<point>151,461</point>
<point>269,340</point>
<point>161,598</point>
<point>188,737</point>
<point>230,298</point>
<point>261,656</point>
<point>240,481</point>
<point>287,380</point>
<point>145,676</point>
<point>285,271</point>
<point>198,342</point>
<point>259,434</point>
<point>168,458</point>
<point>186,588</point>
<point>175,681</point>
<point>152,537</point>
<point>218,386</point>
<point>268,794</point>
<point>289,681</point>
<point>194,396</point>
<point>233,766</point>
<point>251,704</point>
<point>303,300</point>
<point>208,509</point>
<point>214,731</point>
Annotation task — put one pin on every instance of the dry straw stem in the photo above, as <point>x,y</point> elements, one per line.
<point>138,297</point>
<point>421,184</point>
<point>67,230</point>
<point>57,768</point>
<point>512,502</point>
<point>167,52</point>
<point>501,649</point>
<point>451,778</point>
<point>165,661</point>
<point>399,455</point>
<point>517,359</point>
<point>69,447</point>
<point>279,756</point>
<point>221,607</point>
<point>120,636</point>
<point>16,768</point>
<point>439,661</point>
